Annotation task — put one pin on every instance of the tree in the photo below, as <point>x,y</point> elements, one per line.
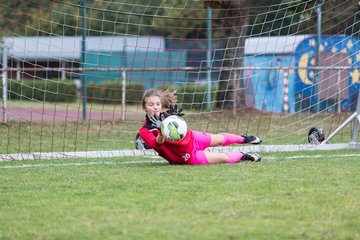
<point>14,15</point>
<point>230,20</point>
<point>235,21</point>
<point>63,18</point>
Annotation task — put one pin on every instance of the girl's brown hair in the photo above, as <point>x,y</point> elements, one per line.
<point>167,97</point>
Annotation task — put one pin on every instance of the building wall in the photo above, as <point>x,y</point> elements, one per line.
<point>265,86</point>
<point>139,65</point>
<point>334,84</point>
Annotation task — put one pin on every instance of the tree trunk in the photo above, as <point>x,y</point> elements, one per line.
<point>231,87</point>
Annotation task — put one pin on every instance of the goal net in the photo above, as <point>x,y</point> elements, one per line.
<point>73,72</point>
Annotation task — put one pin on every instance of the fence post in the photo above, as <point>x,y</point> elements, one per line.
<point>355,129</point>
<point>4,50</point>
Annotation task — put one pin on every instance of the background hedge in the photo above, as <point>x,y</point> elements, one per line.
<point>41,90</point>
<point>192,96</point>
<point>112,93</point>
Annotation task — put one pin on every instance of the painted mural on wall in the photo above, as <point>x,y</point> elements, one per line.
<point>287,82</point>
<point>337,82</point>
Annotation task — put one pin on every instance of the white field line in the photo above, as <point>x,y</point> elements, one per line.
<point>157,161</point>
<point>77,164</point>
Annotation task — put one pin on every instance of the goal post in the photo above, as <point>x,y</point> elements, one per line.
<point>238,67</point>
<point>354,119</point>
<point>4,80</point>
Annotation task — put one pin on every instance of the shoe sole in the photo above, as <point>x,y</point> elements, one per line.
<point>257,158</point>
<point>257,142</point>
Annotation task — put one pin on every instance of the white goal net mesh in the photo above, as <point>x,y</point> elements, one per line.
<point>73,72</point>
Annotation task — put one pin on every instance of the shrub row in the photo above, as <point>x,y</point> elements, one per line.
<point>196,97</point>
<point>40,90</point>
<point>189,97</point>
<point>66,91</point>
<point>193,97</point>
<point>112,92</point>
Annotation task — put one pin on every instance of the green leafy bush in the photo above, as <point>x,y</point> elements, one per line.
<point>112,92</point>
<point>42,90</point>
<point>194,97</point>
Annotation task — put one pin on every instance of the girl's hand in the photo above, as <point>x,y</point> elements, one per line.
<point>155,122</point>
<point>175,111</point>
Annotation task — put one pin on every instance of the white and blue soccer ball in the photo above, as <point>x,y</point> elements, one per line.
<point>174,128</point>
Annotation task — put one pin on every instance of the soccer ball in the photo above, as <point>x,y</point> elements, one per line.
<point>174,128</point>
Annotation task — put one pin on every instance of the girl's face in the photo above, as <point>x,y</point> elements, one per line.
<point>153,105</point>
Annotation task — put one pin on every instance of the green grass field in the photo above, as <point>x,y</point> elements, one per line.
<point>302,195</point>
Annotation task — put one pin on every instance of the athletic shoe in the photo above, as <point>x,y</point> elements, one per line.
<point>252,139</point>
<point>253,157</point>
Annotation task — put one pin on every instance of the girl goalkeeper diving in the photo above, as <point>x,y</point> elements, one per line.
<point>191,149</point>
